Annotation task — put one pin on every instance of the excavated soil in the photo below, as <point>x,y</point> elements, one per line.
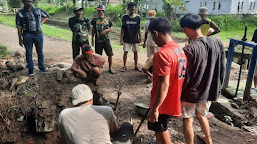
<point>29,111</point>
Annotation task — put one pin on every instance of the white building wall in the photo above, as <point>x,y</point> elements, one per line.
<point>226,6</point>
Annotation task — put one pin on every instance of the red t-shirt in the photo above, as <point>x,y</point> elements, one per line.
<point>169,60</point>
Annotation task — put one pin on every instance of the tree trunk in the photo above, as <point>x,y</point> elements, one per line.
<point>6,5</point>
<point>86,3</point>
<point>82,3</point>
<point>74,3</point>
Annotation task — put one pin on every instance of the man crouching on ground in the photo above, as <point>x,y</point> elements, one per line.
<point>88,65</point>
<point>169,65</point>
<point>90,124</point>
<point>204,77</point>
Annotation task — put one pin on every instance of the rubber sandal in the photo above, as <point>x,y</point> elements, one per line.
<point>123,69</point>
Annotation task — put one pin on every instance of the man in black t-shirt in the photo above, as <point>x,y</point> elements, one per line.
<point>204,77</point>
<point>130,34</point>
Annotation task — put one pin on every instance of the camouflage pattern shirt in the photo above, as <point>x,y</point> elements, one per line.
<point>100,24</point>
<point>80,29</point>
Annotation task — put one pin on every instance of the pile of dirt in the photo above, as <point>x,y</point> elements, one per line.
<point>30,106</point>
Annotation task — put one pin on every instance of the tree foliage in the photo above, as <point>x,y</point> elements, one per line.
<point>14,3</point>
<point>170,7</point>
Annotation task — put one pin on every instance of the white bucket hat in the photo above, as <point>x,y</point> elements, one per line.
<point>81,93</point>
<point>203,11</point>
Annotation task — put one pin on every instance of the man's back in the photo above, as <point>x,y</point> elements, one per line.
<point>86,124</point>
<point>205,71</point>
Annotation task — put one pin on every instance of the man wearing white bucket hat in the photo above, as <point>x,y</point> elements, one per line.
<point>152,48</point>
<point>87,123</point>
<point>208,26</point>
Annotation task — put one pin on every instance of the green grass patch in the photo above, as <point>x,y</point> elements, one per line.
<point>8,20</point>
<point>50,31</point>
<point>3,51</point>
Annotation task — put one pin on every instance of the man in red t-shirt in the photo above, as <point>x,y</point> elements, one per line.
<point>169,65</point>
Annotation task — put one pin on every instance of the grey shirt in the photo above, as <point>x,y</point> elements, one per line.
<point>30,21</point>
<point>205,70</point>
<point>86,124</point>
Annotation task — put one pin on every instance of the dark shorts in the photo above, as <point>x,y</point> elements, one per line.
<point>161,125</point>
<point>76,46</point>
<point>106,46</point>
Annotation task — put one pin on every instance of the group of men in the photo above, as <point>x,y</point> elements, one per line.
<point>185,81</point>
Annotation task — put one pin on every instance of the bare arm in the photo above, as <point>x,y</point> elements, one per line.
<point>20,36</point>
<point>161,93</point>
<point>113,129</point>
<point>44,20</point>
<point>121,36</point>
<point>79,71</point>
<point>93,36</point>
<point>106,31</point>
<point>215,27</point>
<point>139,34</point>
<point>145,40</point>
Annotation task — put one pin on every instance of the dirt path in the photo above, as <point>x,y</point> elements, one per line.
<point>135,88</point>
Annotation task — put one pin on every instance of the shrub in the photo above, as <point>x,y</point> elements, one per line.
<point>3,51</point>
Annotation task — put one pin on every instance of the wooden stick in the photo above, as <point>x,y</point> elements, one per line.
<point>117,100</point>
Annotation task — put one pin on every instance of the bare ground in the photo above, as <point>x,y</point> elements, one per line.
<point>43,97</point>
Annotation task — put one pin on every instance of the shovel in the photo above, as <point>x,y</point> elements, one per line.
<point>117,100</point>
<point>242,58</point>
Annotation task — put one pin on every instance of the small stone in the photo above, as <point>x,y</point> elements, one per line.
<point>19,53</point>
<point>234,105</point>
<point>253,112</point>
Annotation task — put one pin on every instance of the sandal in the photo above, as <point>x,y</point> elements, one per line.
<point>138,69</point>
<point>123,69</point>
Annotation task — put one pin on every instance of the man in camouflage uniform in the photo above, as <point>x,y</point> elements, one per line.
<point>79,26</point>
<point>101,27</point>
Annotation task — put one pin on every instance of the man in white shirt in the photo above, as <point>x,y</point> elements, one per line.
<point>87,123</point>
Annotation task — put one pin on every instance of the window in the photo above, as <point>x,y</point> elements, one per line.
<point>242,5</point>
<point>251,5</point>
<point>213,6</point>
<point>200,4</point>
<point>205,3</point>
<point>238,7</point>
<point>219,6</point>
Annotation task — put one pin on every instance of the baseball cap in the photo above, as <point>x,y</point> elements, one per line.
<point>151,14</point>
<point>101,7</point>
<point>203,11</point>
<point>86,49</point>
<point>81,93</point>
<point>76,8</point>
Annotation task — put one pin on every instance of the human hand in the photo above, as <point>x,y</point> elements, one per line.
<point>144,45</point>
<point>153,115</point>
<point>121,41</point>
<point>92,43</point>
<point>21,42</point>
<point>82,73</point>
<point>116,112</point>
<point>103,32</point>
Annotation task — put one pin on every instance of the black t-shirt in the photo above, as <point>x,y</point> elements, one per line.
<point>205,70</point>
<point>130,25</point>
<point>255,36</point>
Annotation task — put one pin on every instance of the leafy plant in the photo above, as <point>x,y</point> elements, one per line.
<point>170,7</point>
<point>3,51</point>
